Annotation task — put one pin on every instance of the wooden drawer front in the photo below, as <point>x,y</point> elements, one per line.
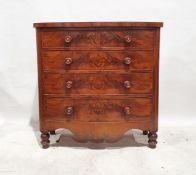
<point>97,83</point>
<point>86,39</point>
<point>141,39</point>
<point>97,110</point>
<point>129,39</point>
<point>97,60</point>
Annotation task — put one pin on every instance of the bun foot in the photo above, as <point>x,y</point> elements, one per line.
<point>45,140</point>
<point>152,139</point>
<point>145,132</point>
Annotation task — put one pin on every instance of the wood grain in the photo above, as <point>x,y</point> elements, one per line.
<point>139,38</point>
<point>97,110</point>
<point>93,83</point>
<point>87,39</point>
<point>97,60</point>
<point>98,39</point>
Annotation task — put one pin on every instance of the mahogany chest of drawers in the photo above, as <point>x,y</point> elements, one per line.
<point>98,79</point>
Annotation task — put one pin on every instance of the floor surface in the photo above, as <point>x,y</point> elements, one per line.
<point>21,154</point>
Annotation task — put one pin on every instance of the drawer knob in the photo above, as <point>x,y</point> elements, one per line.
<point>127,39</point>
<point>127,84</point>
<point>127,60</point>
<point>68,61</point>
<point>69,84</point>
<point>127,110</point>
<point>68,39</point>
<point>69,110</point>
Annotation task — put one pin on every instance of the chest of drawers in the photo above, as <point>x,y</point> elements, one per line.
<point>98,79</point>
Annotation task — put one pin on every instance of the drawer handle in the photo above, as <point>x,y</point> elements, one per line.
<point>68,61</point>
<point>68,39</point>
<point>127,110</point>
<point>127,60</point>
<point>127,84</point>
<point>69,110</point>
<point>127,39</point>
<point>69,84</point>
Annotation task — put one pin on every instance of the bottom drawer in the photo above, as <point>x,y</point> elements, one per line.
<point>97,110</point>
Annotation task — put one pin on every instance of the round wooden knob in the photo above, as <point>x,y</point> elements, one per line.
<point>127,60</point>
<point>69,84</point>
<point>68,61</point>
<point>69,110</point>
<point>127,110</point>
<point>68,38</point>
<point>127,38</point>
<point>127,84</point>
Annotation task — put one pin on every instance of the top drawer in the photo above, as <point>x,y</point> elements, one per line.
<point>63,39</point>
<point>110,39</point>
<point>140,39</point>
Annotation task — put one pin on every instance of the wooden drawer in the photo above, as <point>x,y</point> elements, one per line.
<point>97,110</point>
<point>97,83</point>
<point>110,39</point>
<point>97,60</point>
<point>86,39</point>
<point>141,39</point>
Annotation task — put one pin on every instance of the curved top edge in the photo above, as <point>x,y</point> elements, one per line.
<point>98,24</point>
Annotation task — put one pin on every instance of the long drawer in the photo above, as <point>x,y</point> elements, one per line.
<point>97,83</point>
<point>97,60</point>
<point>97,110</point>
<point>140,39</point>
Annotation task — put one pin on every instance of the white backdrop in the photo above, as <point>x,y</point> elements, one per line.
<point>18,64</point>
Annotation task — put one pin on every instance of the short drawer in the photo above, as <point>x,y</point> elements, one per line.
<point>140,39</point>
<point>97,110</point>
<point>97,83</point>
<point>61,39</point>
<point>97,60</point>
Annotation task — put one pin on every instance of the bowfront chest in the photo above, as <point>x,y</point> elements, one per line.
<point>98,79</point>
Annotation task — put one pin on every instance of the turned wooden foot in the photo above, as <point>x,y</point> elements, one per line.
<point>145,132</point>
<point>152,139</point>
<point>45,140</point>
<point>52,132</point>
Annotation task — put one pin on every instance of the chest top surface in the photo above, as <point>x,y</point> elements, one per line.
<point>97,24</point>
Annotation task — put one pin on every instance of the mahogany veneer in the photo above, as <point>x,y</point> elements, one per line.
<point>98,79</point>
